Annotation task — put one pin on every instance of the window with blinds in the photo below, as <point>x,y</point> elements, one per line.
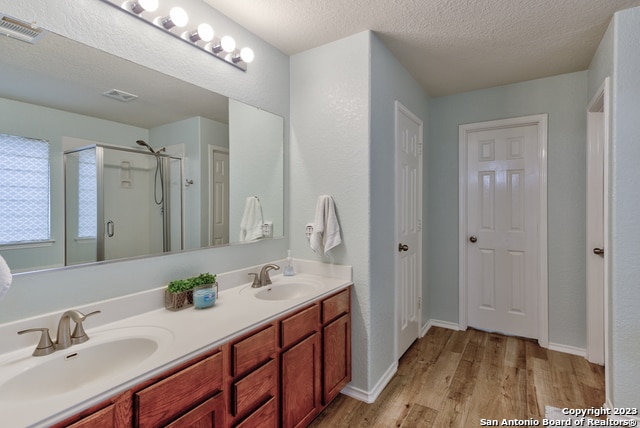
<point>24,190</point>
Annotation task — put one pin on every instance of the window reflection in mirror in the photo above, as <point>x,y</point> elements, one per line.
<point>66,107</point>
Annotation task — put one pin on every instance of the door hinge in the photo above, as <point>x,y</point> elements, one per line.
<point>419,225</point>
<point>419,302</point>
<point>419,148</point>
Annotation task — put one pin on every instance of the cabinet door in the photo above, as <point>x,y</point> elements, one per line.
<point>255,388</point>
<point>209,414</point>
<point>336,357</point>
<point>170,397</point>
<point>253,351</point>
<point>101,418</point>
<point>264,417</point>
<point>300,373</point>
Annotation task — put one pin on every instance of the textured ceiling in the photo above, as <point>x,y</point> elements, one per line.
<point>448,46</point>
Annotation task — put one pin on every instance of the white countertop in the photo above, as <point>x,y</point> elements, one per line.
<point>186,334</point>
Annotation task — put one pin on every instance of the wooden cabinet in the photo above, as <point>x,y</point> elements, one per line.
<point>249,352</point>
<point>252,379</point>
<point>209,414</point>
<point>336,344</point>
<point>300,393</point>
<point>336,357</point>
<point>166,400</point>
<point>101,418</point>
<point>281,374</point>
<point>265,417</point>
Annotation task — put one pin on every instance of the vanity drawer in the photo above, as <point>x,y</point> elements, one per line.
<point>264,417</point>
<point>253,351</point>
<point>299,326</point>
<point>335,306</point>
<point>250,391</point>
<point>164,400</point>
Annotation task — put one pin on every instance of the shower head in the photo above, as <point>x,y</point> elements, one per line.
<point>144,144</point>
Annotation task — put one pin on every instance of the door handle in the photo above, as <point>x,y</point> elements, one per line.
<point>599,251</point>
<point>111,228</point>
<point>403,247</point>
<point>473,239</point>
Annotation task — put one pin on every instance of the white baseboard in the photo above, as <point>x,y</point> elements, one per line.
<point>371,396</point>
<point>581,352</point>
<point>444,324</point>
<point>425,328</point>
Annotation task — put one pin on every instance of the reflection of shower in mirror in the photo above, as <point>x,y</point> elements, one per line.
<point>159,178</point>
<point>111,212</point>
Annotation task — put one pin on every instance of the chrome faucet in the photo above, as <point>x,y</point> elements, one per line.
<point>262,279</point>
<point>65,338</point>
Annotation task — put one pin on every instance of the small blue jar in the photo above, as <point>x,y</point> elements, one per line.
<point>204,298</point>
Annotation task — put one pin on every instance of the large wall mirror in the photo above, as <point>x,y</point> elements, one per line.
<point>120,128</point>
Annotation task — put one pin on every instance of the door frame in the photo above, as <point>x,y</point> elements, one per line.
<point>400,108</point>
<point>541,121</point>
<point>598,153</point>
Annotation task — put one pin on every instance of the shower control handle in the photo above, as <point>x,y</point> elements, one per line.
<point>111,228</point>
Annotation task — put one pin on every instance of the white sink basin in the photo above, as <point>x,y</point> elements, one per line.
<point>107,355</point>
<point>284,288</point>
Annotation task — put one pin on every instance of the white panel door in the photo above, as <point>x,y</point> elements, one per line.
<point>408,227</point>
<point>597,224</point>
<point>502,222</point>
<point>220,199</point>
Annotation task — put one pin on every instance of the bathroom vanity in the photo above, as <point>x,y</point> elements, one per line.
<point>261,357</point>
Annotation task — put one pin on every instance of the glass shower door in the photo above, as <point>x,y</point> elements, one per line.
<point>121,203</point>
<point>132,204</point>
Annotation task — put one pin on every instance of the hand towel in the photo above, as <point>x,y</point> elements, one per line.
<point>326,229</point>
<point>251,224</point>
<point>5,278</point>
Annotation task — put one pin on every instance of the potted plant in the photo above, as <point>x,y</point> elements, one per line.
<point>179,293</point>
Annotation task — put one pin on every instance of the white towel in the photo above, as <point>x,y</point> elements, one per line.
<point>251,224</point>
<point>326,229</point>
<point>5,278</point>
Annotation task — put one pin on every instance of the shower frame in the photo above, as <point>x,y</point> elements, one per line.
<point>101,225</point>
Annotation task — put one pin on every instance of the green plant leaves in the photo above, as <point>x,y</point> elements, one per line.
<point>180,285</point>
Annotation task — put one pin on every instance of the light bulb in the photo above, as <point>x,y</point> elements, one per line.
<point>140,6</point>
<point>228,44</point>
<point>177,18</point>
<point>247,55</point>
<point>204,33</point>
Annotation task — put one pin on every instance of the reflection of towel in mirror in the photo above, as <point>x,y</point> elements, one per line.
<point>251,224</point>
<point>326,229</point>
<point>5,278</point>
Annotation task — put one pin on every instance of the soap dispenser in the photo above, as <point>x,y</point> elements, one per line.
<point>288,268</point>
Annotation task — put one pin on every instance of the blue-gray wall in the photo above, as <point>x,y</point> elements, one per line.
<point>342,144</point>
<point>330,155</point>
<point>625,206</point>
<point>564,98</point>
<point>390,81</point>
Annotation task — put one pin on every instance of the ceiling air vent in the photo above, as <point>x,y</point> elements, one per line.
<point>20,30</point>
<point>119,95</point>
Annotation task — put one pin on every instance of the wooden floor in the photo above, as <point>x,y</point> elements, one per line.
<point>456,378</point>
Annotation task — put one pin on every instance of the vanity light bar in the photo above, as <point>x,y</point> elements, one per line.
<point>175,21</point>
